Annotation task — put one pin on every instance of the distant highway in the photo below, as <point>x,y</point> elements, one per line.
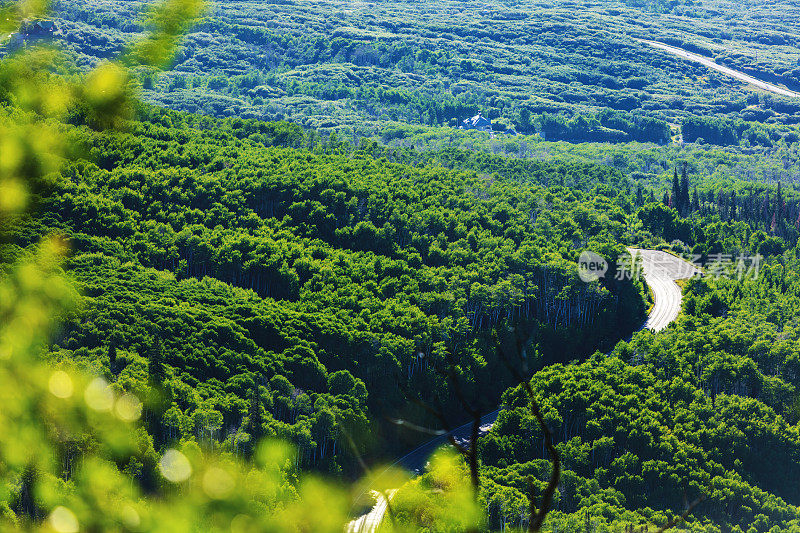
<point>741,76</point>
<point>660,271</point>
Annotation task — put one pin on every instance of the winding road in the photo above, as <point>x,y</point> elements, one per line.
<point>373,519</point>
<point>660,271</point>
<point>741,76</point>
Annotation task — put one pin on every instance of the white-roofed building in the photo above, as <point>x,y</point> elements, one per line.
<point>478,122</point>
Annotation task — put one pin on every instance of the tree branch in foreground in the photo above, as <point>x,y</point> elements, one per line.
<point>678,519</point>
<point>537,517</point>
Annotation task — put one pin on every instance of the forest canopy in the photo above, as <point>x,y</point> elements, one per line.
<point>215,318</point>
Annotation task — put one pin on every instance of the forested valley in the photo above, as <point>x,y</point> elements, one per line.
<point>248,260</point>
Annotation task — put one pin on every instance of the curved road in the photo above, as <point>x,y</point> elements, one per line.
<point>660,271</point>
<point>741,76</point>
<point>373,519</point>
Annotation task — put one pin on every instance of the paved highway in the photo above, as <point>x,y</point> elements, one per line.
<point>370,521</point>
<point>660,271</point>
<point>741,76</point>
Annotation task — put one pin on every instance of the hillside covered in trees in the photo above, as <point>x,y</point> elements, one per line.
<point>570,71</point>
<point>231,292</point>
<point>258,271</point>
<point>268,282</point>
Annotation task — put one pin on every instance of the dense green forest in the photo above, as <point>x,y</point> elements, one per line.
<point>352,267</point>
<point>709,407</point>
<point>312,278</point>
<point>232,291</point>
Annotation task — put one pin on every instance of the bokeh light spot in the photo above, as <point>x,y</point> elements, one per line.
<point>99,395</point>
<point>174,466</point>
<point>218,483</point>
<point>63,520</point>
<point>60,384</point>
<point>130,517</point>
<point>128,407</point>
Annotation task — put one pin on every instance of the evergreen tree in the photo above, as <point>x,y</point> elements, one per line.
<point>696,201</point>
<point>255,424</point>
<point>525,120</point>
<point>25,503</point>
<point>676,191</point>
<point>158,401</point>
<point>683,202</point>
<point>156,369</point>
<point>639,195</point>
<point>112,354</point>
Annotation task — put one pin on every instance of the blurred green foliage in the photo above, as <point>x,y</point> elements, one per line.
<point>74,453</point>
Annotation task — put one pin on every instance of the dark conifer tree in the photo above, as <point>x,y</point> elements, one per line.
<point>676,191</point>
<point>255,425</point>
<point>158,401</point>
<point>155,364</point>
<point>683,202</point>
<point>25,504</point>
<point>112,354</point>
